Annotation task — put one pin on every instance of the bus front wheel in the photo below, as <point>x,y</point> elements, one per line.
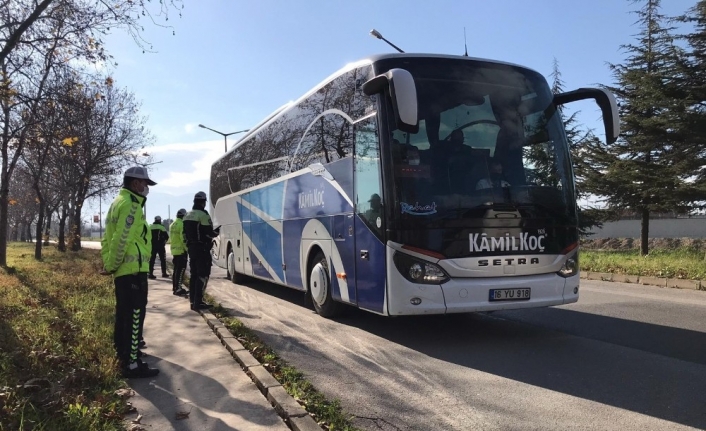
<point>232,273</point>
<point>320,287</point>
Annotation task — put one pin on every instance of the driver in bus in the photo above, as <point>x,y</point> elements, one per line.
<point>495,177</point>
<point>455,139</point>
<point>374,213</point>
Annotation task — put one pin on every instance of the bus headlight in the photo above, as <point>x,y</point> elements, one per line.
<point>419,271</point>
<point>570,267</point>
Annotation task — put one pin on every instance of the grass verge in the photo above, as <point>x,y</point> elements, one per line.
<point>328,414</point>
<point>684,263</point>
<point>57,363</point>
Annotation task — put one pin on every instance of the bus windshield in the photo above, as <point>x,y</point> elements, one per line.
<point>489,138</point>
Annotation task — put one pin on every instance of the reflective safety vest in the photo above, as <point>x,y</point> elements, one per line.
<point>177,238</point>
<point>126,245</point>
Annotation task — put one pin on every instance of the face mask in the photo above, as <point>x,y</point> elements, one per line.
<point>145,191</point>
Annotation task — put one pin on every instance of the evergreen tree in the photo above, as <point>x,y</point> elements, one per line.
<point>695,80</point>
<point>652,165</point>
<point>577,136</point>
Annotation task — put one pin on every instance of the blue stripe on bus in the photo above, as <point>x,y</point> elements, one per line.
<point>257,269</point>
<point>243,212</point>
<point>268,200</point>
<point>311,196</point>
<point>269,242</point>
<point>291,242</point>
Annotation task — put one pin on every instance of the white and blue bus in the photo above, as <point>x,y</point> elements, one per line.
<point>409,184</point>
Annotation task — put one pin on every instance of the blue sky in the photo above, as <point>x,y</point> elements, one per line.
<point>231,63</point>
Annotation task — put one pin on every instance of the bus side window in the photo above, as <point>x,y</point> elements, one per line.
<point>368,193</point>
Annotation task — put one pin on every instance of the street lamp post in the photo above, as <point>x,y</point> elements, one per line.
<point>225,135</point>
<point>376,34</point>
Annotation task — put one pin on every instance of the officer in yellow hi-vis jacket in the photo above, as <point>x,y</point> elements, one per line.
<point>126,250</point>
<point>179,254</point>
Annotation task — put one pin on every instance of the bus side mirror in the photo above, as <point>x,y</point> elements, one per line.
<point>403,93</point>
<point>604,99</point>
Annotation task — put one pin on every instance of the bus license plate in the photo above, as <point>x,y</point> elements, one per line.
<point>517,294</point>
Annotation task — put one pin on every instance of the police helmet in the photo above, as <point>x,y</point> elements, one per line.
<point>157,219</point>
<point>200,196</point>
<point>181,212</point>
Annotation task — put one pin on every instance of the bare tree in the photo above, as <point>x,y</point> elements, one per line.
<point>104,134</point>
<point>23,207</point>
<point>44,137</point>
<point>24,21</point>
<point>34,38</point>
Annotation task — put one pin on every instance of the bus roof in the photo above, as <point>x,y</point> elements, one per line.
<point>350,66</point>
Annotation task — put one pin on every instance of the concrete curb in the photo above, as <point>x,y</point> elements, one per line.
<point>293,414</point>
<point>675,283</point>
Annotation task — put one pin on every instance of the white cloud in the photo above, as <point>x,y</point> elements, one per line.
<point>190,127</point>
<point>184,164</point>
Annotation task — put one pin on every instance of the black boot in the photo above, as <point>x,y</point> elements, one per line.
<point>138,370</point>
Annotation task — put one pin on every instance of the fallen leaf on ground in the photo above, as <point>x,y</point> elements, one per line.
<point>137,419</point>
<point>182,415</point>
<point>125,393</point>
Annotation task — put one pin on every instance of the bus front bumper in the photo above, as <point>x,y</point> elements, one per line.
<point>466,295</point>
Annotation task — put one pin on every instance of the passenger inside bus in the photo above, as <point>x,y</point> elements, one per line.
<point>495,176</point>
<point>453,163</point>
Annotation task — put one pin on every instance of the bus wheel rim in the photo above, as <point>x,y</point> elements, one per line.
<point>318,284</point>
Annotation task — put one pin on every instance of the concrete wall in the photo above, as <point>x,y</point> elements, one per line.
<point>659,228</point>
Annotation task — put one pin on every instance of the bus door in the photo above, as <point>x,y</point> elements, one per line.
<point>369,220</point>
<point>247,238</point>
<point>239,241</point>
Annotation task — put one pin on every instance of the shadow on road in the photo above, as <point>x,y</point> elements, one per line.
<point>559,349</point>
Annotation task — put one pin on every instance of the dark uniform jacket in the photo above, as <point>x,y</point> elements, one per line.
<point>159,235</point>
<point>198,229</point>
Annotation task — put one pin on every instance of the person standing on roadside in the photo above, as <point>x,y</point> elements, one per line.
<point>179,254</point>
<point>125,251</point>
<point>159,241</point>
<point>199,237</point>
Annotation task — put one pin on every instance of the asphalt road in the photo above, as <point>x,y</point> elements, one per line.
<point>624,357</point>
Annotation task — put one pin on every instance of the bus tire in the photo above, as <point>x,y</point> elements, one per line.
<point>233,275</point>
<point>320,287</point>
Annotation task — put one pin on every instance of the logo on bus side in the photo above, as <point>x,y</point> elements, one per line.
<point>312,198</point>
<point>417,209</point>
<point>525,242</point>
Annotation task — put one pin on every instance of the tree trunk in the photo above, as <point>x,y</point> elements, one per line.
<point>4,193</point>
<point>39,229</point>
<point>645,232</point>
<point>47,225</point>
<point>13,234</point>
<point>62,228</point>
<point>29,231</point>
<point>75,230</point>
